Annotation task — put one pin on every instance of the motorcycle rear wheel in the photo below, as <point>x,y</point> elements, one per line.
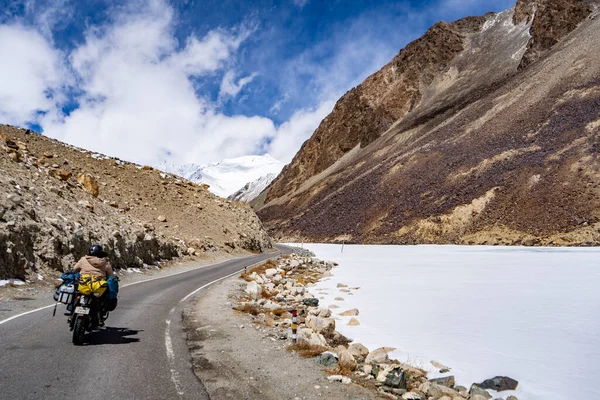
<point>78,331</point>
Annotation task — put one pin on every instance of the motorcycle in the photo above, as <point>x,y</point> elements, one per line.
<point>88,303</point>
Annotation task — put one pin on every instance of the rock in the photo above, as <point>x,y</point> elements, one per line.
<point>437,391</point>
<point>254,290</point>
<point>14,198</point>
<point>358,351</point>
<point>393,376</point>
<point>14,156</point>
<point>476,390</point>
<point>412,396</point>
<point>270,272</point>
<point>61,174</point>
<point>512,398</point>
<point>445,398</point>
<point>114,204</point>
<point>340,378</point>
<point>379,355</point>
<point>326,359</point>
<point>324,313</point>
<point>312,302</point>
<point>478,397</point>
<point>48,155</point>
<point>191,251</point>
<point>88,206</point>
<point>499,383</point>
<point>439,365</point>
<point>307,335</point>
<point>345,358</point>
<point>89,184</point>
<point>353,322</point>
<point>464,392</point>
<point>447,381</point>
<point>341,285</point>
<point>334,306</point>
<point>318,324</point>
<point>161,218</point>
<point>339,299</point>
<point>349,313</point>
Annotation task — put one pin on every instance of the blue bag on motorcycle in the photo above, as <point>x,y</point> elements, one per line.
<point>113,291</point>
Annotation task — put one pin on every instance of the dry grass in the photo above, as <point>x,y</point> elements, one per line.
<point>252,309</point>
<point>335,339</point>
<point>306,350</point>
<point>259,269</point>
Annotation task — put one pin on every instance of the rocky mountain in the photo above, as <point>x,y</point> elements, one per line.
<point>55,200</point>
<point>228,176</point>
<point>484,130</point>
<point>251,190</point>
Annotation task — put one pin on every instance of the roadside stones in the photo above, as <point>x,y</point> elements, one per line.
<point>478,397</point>
<point>339,299</point>
<point>379,355</point>
<point>324,313</point>
<point>447,381</point>
<point>358,351</point>
<point>412,396</point>
<point>191,251</point>
<point>327,359</point>
<point>254,290</point>
<point>161,218</point>
<point>440,366</point>
<point>349,313</point>
<point>499,383</point>
<point>270,272</point>
<point>89,184</point>
<point>353,322</point>
<point>345,357</point>
<point>320,324</point>
<point>341,285</point>
<point>476,390</point>
<point>311,302</point>
<point>512,398</point>
<point>437,391</point>
<point>307,335</point>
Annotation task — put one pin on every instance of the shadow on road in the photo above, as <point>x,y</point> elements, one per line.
<point>112,335</point>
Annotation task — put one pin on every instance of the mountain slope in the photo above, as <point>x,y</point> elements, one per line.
<point>226,177</point>
<point>55,200</point>
<point>495,148</point>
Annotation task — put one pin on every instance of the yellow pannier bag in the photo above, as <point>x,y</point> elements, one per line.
<point>89,284</point>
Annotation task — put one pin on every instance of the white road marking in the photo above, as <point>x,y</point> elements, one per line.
<point>25,313</point>
<point>171,356</point>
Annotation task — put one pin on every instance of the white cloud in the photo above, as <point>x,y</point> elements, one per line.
<point>31,75</point>
<point>300,3</point>
<point>229,87</point>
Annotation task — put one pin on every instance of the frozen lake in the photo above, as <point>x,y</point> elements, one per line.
<point>529,313</point>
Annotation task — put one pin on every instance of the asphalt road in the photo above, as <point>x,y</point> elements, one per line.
<point>140,354</point>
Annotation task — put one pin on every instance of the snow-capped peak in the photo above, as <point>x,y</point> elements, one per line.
<point>227,176</point>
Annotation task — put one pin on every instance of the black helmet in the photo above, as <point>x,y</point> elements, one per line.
<point>96,251</point>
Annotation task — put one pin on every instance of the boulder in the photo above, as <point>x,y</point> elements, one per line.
<point>499,383</point>
<point>307,335</point>
<point>464,392</point>
<point>89,184</point>
<point>512,398</point>
<point>437,391</point>
<point>476,390</point>
<point>379,355</point>
<point>319,324</point>
<point>345,357</point>
<point>447,381</point>
<point>254,290</point>
<point>358,351</point>
<point>311,302</point>
<point>477,397</point>
<point>324,313</point>
<point>349,313</point>
<point>353,322</point>
<point>61,174</point>
<point>440,366</point>
<point>270,272</point>
<point>393,376</point>
<point>161,218</point>
<point>327,359</point>
<point>191,251</point>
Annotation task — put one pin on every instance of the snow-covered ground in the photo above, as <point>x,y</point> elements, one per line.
<point>529,313</point>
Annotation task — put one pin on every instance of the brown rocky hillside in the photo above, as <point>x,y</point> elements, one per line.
<point>55,200</point>
<point>485,130</point>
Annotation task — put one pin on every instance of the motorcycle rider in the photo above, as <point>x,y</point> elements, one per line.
<point>95,263</point>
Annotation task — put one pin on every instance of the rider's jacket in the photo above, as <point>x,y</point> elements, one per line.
<point>94,266</point>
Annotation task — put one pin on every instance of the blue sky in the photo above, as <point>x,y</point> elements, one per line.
<point>198,81</point>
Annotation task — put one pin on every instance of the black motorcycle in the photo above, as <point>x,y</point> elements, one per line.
<point>86,312</point>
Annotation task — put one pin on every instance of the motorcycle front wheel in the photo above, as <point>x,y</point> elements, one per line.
<point>78,331</point>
